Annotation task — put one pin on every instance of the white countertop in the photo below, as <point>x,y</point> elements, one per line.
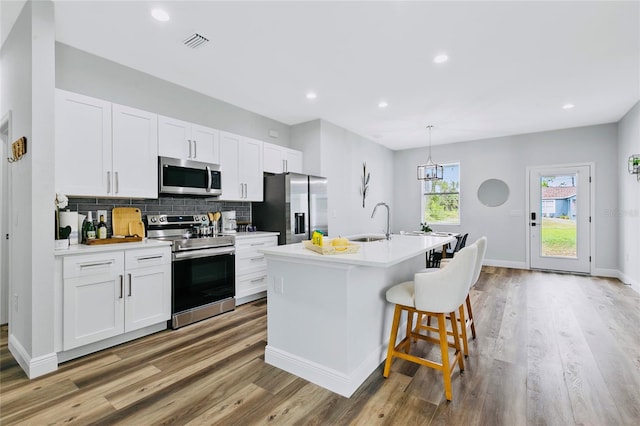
<point>383,253</point>
<point>85,249</point>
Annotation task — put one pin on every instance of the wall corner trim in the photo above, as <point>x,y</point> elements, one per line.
<point>33,367</point>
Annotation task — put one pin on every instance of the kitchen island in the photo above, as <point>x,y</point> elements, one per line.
<point>328,320</point>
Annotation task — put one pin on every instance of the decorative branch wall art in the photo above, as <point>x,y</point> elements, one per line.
<point>364,188</point>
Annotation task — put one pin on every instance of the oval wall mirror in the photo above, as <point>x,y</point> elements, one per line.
<point>493,192</point>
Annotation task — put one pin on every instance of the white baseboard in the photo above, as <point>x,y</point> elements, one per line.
<point>33,367</point>
<point>603,272</point>
<point>627,280</point>
<point>505,264</point>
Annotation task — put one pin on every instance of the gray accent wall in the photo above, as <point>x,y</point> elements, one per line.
<point>507,158</point>
<point>87,74</point>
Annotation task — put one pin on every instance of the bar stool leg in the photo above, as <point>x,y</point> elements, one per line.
<point>392,340</point>
<point>463,330</point>
<point>470,312</point>
<point>444,348</point>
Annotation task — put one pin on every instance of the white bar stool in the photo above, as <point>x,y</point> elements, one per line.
<point>438,294</point>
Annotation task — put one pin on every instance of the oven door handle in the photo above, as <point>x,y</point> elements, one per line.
<point>195,254</point>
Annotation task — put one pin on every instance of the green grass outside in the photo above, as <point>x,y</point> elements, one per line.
<point>558,237</point>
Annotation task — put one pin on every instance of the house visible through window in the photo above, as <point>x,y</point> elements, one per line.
<point>441,198</point>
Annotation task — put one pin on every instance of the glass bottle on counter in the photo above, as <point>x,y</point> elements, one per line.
<point>102,228</point>
<point>89,229</point>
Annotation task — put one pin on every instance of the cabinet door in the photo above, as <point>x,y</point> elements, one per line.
<point>93,299</point>
<point>148,296</point>
<point>82,145</point>
<point>135,152</point>
<point>273,159</point>
<point>206,144</point>
<point>174,138</point>
<point>251,172</point>
<point>293,161</point>
<point>229,144</point>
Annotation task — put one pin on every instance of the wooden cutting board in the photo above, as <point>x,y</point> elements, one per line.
<point>136,228</point>
<point>122,216</point>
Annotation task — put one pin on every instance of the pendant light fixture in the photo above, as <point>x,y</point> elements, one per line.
<point>430,171</point>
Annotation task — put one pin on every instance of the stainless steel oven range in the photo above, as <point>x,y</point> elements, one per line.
<point>202,267</point>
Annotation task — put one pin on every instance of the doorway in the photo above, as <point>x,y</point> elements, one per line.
<point>560,218</point>
<point>5,261</point>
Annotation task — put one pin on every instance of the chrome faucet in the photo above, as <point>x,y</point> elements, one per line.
<point>387,234</point>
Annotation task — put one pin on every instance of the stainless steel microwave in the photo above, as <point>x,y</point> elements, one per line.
<point>187,177</point>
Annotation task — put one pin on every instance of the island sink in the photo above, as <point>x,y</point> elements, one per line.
<point>367,239</point>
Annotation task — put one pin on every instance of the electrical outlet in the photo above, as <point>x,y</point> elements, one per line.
<point>278,285</point>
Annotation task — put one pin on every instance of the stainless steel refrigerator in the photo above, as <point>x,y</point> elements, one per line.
<point>294,205</point>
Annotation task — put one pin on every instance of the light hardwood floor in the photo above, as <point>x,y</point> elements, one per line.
<point>552,349</point>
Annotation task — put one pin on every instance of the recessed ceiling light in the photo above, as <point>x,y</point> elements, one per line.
<point>568,106</point>
<point>441,58</point>
<point>382,104</point>
<point>160,15</point>
<point>312,95</point>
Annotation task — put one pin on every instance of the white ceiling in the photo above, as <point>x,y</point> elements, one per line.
<point>512,64</point>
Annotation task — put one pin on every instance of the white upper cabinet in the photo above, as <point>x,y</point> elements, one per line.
<point>82,144</point>
<point>135,152</point>
<point>104,149</point>
<point>188,141</point>
<point>241,168</point>
<point>279,159</point>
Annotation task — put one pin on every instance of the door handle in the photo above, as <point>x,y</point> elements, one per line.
<point>108,182</point>
<point>195,148</point>
<point>121,286</point>
<point>533,215</point>
<point>117,183</point>
<point>130,285</point>
<point>189,141</point>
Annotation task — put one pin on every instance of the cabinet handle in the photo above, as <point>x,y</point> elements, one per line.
<point>284,166</point>
<point>257,279</point>
<point>253,259</point>
<point>141,259</point>
<point>257,244</point>
<point>246,191</point>
<point>189,141</point>
<point>195,149</point>
<point>108,182</point>
<point>93,265</point>
<point>121,286</point>
<point>117,183</point>
<point>130,284</point>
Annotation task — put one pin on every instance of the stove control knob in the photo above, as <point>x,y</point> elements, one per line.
<point>153,220</point>
<point>204,218</point>
<point>162,218</point>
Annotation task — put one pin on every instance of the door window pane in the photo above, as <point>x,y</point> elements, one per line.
<point>558,207</point>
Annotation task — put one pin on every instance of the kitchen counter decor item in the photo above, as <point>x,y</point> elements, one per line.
<point>634,165</point>
<point>62,233</point>
<point>121,217</point>
<point>327,248</point>
<point>114,240</point>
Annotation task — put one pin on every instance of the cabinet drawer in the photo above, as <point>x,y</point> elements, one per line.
<point>143,258</point>
<point>256,262</point>
<point>255,243</point>
<point>251,284</point>
<point>107,264</point>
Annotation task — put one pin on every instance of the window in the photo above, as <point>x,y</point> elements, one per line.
<point>441,199</point>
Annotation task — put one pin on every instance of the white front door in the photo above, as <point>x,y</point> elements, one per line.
<point>560,218</point>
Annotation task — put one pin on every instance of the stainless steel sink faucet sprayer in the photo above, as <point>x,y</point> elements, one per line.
<point>387,234</point>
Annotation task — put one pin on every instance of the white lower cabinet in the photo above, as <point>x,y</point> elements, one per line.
<point>251,267</point>
<point>110,293</point>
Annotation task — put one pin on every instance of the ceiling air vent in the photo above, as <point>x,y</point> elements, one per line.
<point>195,40</point>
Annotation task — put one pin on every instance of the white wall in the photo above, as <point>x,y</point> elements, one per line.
<point>306,137</point>
<point>27,58</point>
<point>507,158</point>
<point>628,212</point>
<point>90,75</point>
<point>342,155</point>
